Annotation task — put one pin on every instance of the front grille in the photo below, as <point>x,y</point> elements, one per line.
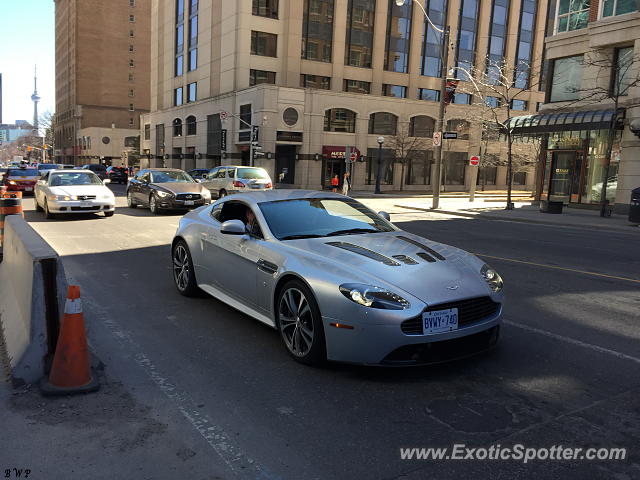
<point>86,197</point>
<point>82,209</point>
<point>470,311</point>
<point>188,196</point>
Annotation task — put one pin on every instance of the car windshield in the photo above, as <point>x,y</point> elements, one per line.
<point>170,177</point>
<point>252,173</point>
<point>22,172</point>
<point>321,217</point>
<point>73,178</point>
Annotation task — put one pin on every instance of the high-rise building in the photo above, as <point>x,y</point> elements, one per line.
<point>102,78</point>
<point>590,122</point>
<point>318,76</point>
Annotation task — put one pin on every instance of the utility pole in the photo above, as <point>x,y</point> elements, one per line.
<point>440,126</point>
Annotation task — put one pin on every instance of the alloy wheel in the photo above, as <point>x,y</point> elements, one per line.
<point>153,205</point>
<point>296,322</point>
<point>181,269</point>
<point>130,202</point>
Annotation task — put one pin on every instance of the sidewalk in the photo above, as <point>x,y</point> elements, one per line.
<point>490,209</point>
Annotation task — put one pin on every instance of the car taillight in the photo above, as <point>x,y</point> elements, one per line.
<point>238,184</point>
<point>268,185</point>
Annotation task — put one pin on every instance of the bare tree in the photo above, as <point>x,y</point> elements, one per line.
<point>405,146</point>
<point>496,88</point>
<point>46,124</point>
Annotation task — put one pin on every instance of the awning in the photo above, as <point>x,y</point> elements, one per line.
<point>562,121</point>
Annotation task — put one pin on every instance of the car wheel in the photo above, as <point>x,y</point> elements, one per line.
<point>47,213</point>
<point>184,274</point>
<point>300,323</point>
<point>222,193</point>
<point>109,214</point>
<point>130,202</point>
<point>153,204</point>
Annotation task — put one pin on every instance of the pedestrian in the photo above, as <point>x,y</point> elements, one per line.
<point>345,184</point>
<point>334,183</point>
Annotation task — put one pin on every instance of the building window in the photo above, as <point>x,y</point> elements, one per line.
<point>397,91</point>
<point>264,44</point>
<point>317,30</point>
<point>131,34</point>
<point>461,127</point>
<point>265,8</point>
<point>192,92</point>
<point>462,99</point>
<point>132,92</point>
<point>566,80</point>
<point>359,41</point>
<point>339,120</point>
<point>520,178</point>
<point>131,77</point>
<point>131,108</point>
<point>192,127</point>
<point>428,94</point>
<point>177,96</point>
<point>421,126</point>
<point>386,165</point>
<point>131,49</point>
<point>622,71</point>
<point>525,43</point>
<point>572,15</point>
<point>132,3</point>
<point>193,35</point>
<point>538,106</point>
<point>179,40</point>
<point>383,123</point>
<point>132,18</point>
<point>519,105</point>
<point>419,167</point>
<point>131,63</point>
<point>356,86</point>
<point>431,65</point>
<point>315,81</point>
<point>245,116</point>
<point>257,77</point>
<point>467,36</point>
<point>497,38</point>
<point>131,122</point>
<point>493,102</point>
<point>147,131</point>
<point>453,168</point>
<point>396,58</point>
<point>618,7</point>
<point>177,127</point>
<point>179,65</point>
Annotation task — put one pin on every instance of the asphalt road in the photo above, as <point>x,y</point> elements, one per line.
<point>565,372</point>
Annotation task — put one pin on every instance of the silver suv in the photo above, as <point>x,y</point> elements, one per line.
<point>227,179</point>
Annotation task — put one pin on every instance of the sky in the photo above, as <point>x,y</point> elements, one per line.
<point>27,38</point>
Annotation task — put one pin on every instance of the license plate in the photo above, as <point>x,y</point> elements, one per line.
<point>86,204</point>
<point>189,202</point>
<point>28,189</point>
<point>439,321</point>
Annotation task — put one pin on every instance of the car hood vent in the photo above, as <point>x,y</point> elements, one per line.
<point>429,250</point>
<point>365,252</point>
<point>405,259</point>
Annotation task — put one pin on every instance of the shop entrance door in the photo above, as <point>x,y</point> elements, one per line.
<point>566,176</point>
<point>334,166</point>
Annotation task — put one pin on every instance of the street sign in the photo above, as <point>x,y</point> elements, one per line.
<point>474,160</point>
<point>224,115</point>
<point>354,157</point>
<point>437,139</point>
<point>450,135</point>
<point>223,139</point>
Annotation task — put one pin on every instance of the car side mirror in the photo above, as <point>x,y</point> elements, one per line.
<point>205,176</point>
<point>233,227</point>
<point>385,215</point>
<point>197,180</point>
<point>106,180</point>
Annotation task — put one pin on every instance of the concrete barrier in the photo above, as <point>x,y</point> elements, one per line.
<point>32,289</point>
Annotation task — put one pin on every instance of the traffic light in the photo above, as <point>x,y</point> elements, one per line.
<point>257,151</point>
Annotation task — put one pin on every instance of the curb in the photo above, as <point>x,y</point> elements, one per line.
<point>520,220</point>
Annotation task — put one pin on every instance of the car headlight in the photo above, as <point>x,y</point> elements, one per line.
<point>492,278</point>
<point>206,193</point>
<point>162,194</point>
<point>374,297</point>
<point>62,198</point>
<point>11,182</point>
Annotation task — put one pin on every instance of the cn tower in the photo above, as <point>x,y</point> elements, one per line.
<point>35,98</point>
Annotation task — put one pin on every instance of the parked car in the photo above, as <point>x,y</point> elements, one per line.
<point>67,165</point>
<point>73,191</point>
<point>198,173</point>
<point>98,169</point>
<point>21,179</point>
<point>43,167</point>
<point>118,174</point>
<point>337,280</point>
<point>227,179</point>
<point>165,189</point>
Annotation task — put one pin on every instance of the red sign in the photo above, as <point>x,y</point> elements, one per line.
<point>474,161</point>
<point>338,152</point>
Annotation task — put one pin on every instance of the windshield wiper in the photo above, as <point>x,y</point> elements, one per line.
<point>306,235</point>
<point>351,231</point>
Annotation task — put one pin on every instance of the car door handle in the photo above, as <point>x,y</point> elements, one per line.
<point>267,266</point>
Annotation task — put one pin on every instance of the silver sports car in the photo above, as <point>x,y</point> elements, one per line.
<point>338,281</point>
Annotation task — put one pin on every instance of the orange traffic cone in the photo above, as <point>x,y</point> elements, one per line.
<point>71,368</point>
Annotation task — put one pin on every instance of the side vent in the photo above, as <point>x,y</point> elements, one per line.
<point>426,256</point>
<point>429,250</point>
<point>405,259</point>
<point>365,252</point>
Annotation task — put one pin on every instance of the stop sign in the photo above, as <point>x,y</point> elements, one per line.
<point>474,161</point>
<point>354,156</point>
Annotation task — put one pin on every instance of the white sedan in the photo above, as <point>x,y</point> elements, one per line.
<point>73,191</point>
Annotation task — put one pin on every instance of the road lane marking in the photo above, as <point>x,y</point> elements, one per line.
<point>573,341</point>
<point>554,267</point>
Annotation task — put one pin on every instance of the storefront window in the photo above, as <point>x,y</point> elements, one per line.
<point>419,168</point>
<point>487,175</point>
<point>567,79</point>
<point>596,165</point>
<point>453,168</point>
<point>386,167</point>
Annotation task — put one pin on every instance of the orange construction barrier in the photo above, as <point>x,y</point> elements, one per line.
<point>71,368</point>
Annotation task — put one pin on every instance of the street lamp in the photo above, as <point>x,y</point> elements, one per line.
<point>444,58</point>
<point>380,143</point>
